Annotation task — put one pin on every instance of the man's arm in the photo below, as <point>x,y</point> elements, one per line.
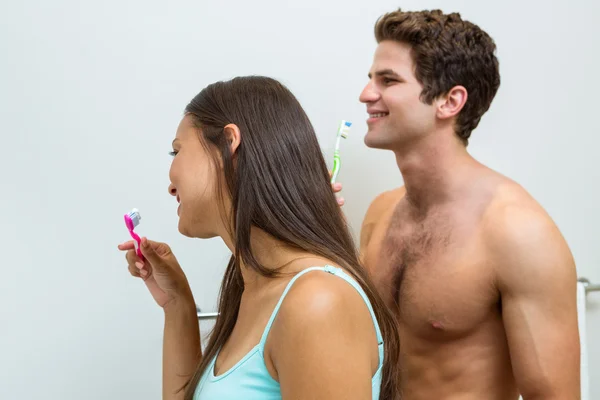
<point>537,280</point>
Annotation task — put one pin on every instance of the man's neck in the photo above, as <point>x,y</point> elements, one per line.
<point>433,170</point>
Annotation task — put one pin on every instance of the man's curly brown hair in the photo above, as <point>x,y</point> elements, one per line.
<point>447,52</point>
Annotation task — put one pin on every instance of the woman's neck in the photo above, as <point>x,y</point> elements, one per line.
<point>270,253</point>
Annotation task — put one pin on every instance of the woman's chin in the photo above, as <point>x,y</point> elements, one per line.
<point>194,231</point>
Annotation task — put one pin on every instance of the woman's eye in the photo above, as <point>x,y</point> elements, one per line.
<point>173,153</point>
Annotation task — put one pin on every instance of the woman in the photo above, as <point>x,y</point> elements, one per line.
<point>298,316</point>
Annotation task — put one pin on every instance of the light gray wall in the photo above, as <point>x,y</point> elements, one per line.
<point>90,96</point>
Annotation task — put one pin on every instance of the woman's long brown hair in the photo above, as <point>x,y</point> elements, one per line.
<point>278,181</point>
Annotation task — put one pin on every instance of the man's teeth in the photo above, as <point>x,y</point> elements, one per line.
<point>378,115</point>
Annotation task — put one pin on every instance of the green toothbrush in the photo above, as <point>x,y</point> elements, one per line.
<point>342,132</point>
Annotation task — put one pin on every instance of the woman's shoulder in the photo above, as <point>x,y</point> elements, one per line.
<point>323,295</point>
<point>323,338</point>
<point>319,309</point>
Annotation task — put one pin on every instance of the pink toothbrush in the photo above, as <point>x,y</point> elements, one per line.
<point>132,219</point>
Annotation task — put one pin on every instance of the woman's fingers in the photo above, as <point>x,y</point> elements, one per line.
<point>137,269</point>
<point>127,246</point>
<point>136,266</point>
<point>140,266</point>
<point>133,270</point>
<point>132,258</point>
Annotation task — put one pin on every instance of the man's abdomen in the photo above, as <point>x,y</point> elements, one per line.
<point>473,367</point>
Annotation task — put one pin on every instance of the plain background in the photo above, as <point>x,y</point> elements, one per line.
<point>91,94</point>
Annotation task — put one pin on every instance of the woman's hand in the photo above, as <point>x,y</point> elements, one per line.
<point>160,271</point>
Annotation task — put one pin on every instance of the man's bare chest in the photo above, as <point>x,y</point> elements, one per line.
<point>433,271</point>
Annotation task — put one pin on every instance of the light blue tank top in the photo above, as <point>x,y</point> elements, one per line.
<point>249,378</point>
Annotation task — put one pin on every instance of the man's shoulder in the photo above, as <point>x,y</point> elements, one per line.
<point>512,209</point>
<point>384,202</point>
<point>381,206</point>
<point>520,236</point>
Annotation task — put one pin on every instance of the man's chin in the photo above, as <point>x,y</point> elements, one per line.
<point>374,142</point>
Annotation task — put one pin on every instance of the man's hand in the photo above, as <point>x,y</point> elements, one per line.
<point>337,187</point>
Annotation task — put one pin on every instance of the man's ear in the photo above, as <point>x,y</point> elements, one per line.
<point>233,136</point>
<point>452,103</point>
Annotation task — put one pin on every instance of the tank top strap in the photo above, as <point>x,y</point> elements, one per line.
<point>278,306</point>
<point>342,274</point>
<point>334,271</point>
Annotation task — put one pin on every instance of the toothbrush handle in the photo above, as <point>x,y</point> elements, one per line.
<point>137,244</point>
<point>336,167</point>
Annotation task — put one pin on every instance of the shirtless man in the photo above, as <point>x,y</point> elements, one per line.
<point>482,280</point>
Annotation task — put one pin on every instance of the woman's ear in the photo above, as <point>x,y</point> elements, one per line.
<point>233,136</point>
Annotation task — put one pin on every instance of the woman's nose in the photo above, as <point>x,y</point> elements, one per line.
<point>172,190</point>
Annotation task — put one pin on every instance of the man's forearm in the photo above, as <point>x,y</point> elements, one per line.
<point>564,390</point>
<point>181,347</point>
<point>550,397</point>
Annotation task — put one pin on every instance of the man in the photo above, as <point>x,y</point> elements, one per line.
<point>481,279</point>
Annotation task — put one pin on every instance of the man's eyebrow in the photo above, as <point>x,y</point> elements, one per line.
<point>383,72</point>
